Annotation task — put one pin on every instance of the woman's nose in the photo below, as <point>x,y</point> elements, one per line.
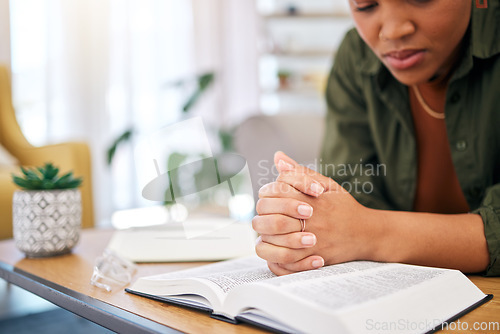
<point>396,28</point>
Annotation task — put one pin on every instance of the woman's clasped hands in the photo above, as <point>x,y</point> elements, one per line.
<point>337,227</point>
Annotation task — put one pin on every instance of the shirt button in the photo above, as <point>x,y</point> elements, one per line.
<point>461,145</point>
<point>455,98</point>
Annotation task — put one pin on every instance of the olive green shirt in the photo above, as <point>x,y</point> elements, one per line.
<point>370,144</point>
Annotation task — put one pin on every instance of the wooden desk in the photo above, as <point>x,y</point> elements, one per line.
<point>64,280</point>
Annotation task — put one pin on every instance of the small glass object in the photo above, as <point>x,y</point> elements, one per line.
<point>111,269</point>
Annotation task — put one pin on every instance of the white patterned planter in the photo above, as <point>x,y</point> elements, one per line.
<point>46,222</point>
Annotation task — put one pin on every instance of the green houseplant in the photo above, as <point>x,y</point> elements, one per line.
<point>284,77</point>
<point>47,211</point>
<point>202,84</point>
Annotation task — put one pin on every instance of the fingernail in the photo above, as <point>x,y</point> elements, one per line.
<point>305,210</point>
<point>263,189</point>
<point>317,188</point>
<point>308,240</point>
<point>283,165</point>
<point>318,263</point>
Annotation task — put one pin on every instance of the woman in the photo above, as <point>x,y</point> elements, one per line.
<point>412,140</point>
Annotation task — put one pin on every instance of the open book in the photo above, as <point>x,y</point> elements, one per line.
<point>353,297</point>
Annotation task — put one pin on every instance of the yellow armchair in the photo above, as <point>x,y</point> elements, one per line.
<point>67,156</point>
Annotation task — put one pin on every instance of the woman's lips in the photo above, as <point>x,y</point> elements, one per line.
<point>404,59</point>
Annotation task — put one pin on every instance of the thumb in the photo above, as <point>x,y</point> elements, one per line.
<point>284,163</point>
<point>287,166</point>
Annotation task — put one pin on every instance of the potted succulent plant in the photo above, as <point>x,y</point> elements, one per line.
<point>47,212</point>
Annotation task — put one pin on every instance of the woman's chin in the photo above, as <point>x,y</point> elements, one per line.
<point>411,78</point>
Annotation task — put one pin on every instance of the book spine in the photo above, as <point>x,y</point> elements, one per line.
<point>225,318</point>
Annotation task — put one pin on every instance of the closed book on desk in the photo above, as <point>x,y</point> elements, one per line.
<point>203,239</point>
<point>354,297</point>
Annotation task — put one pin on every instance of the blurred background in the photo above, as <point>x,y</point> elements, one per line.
<point>112,72</point>
<point>90,70</point>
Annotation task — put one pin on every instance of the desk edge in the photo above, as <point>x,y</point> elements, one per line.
<point>99,312</point>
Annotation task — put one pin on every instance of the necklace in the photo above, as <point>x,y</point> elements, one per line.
<point>426,107</point>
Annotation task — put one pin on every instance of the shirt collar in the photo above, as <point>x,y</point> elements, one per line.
<point>485,30</point>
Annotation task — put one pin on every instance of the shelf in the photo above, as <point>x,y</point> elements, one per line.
<point>299,37</point>
<point>309,91</point>
<point>302,53</point>
<point>335,15</point>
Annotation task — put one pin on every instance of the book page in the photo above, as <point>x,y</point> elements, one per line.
<point>417,309</point>
<point>212,282</point>
<point>344,285</point>
<point>220,277</point>
<point>315,287</point>
<point>217,268</point>
<point>338,297</point>
<point>231,280</point>
<point>310,300</point>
